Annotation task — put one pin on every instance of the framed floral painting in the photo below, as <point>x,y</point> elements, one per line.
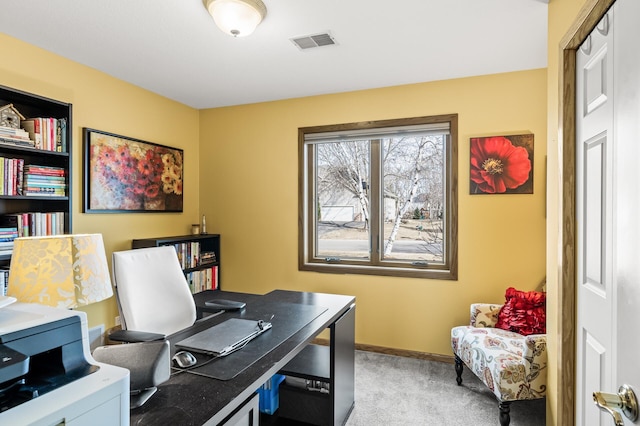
<point>123,174</point>
<point>501,165</point>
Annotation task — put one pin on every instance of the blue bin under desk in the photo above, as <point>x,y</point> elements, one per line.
<point>269,400</point>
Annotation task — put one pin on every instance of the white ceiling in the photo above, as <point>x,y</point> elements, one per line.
<point>173,48</point>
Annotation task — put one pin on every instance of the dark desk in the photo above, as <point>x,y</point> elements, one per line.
<point>189,399</point>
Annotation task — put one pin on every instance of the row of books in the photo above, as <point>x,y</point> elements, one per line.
<point>44,180</point>
<point>191,256</point>
<point>203,279</point>
<point>11,174</point>
<point>17,137</point>
<point>35,223</point>
<point>47,133</point>
<point>7,235</point>
<point>20,179</point>
<point>4,281</point>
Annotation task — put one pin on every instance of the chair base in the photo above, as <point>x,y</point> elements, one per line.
<point>137,398</point>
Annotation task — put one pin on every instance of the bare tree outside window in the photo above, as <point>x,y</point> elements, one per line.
<point>379,197</point>
<point>343,199</point>
<point>413,169</point>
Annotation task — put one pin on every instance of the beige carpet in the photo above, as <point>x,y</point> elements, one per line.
<point>393,390</point>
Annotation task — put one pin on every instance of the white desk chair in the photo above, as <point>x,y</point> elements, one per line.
<point>154,301</point>
<point>152,293</point>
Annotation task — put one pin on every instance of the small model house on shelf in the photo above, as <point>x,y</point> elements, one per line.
<point>10,117</point>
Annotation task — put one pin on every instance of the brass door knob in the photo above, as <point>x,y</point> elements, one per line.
<point>625,400</point>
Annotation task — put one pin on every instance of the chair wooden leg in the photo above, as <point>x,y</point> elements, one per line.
<point>459,367</point>
<point>504,406</point>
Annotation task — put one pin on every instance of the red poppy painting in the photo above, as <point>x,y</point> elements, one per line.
<point>125,174</point>
<point>501,165</point>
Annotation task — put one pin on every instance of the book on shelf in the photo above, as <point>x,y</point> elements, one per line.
<point>4,281</point>
<point>203,279</point>
<point>43,181</point>
<point>35,169</point>
<point>35,223</point>
<point>33,126</point>
<point>16,178</point>
<point>8,234</point>
<point>207,257</point>
<point>43,192</point>
<point>11,176</point>
<point>16,142</point>
<point>188,254</point>
<point>20,176</point>
<point>47,133</point>
<point>61,135</point>
<point>12,132</point>
<point>18,137</point>
<point>43,177</point>
<point>53,183</point>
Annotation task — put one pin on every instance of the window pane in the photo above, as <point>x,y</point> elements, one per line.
<point>413,198</point>
<point>370,186</point>
<point>342,209</point>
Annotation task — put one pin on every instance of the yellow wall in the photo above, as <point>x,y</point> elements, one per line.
<point>562,13</point>
<point>249,169</point>
<point>105,103</point>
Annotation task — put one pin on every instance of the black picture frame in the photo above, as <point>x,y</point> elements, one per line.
<point>501,164</point>
<point>127,175</point>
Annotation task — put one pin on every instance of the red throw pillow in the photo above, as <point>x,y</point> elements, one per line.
<point>523,312</point>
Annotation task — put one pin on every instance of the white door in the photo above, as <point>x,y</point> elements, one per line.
<point>594,179</point>
<point>607,213</point>
<point>626,123</point>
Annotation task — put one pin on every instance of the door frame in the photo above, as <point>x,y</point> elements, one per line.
<point>587,19</point>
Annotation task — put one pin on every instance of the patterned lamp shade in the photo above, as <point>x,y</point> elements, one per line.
<point>65,271</point>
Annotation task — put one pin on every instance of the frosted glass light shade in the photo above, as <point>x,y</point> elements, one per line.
<point>238,18</point>
<point>64,271</point>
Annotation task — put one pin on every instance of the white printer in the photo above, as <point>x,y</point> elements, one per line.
<point>47,373</point>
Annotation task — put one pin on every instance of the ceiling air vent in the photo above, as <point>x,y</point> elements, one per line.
<point>315,40</point>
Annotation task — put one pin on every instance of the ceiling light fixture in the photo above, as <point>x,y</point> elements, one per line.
<point>238,18</point>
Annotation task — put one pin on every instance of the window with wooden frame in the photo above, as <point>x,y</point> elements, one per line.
<point>380,197</point>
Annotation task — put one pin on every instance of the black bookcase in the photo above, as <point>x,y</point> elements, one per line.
<point>192,263</point>
<point>34,106</point>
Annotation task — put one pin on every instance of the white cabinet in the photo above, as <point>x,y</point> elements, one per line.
<point>101,398</point>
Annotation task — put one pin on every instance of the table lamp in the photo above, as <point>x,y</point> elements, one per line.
<point>64,271</point>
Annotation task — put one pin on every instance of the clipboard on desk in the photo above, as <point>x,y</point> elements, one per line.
<point>224,338</point>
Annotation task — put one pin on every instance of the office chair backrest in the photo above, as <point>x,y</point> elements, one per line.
<point>152,292</point>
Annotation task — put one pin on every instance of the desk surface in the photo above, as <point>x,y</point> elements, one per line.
<point>189,399</point>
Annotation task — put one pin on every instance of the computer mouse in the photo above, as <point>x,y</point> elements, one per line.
<point>184,359</point>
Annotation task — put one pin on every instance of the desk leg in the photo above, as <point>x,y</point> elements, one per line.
<point>334,365</point>
<point>343,366</point>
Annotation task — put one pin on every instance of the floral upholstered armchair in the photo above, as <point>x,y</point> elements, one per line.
<point>511,364</point>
